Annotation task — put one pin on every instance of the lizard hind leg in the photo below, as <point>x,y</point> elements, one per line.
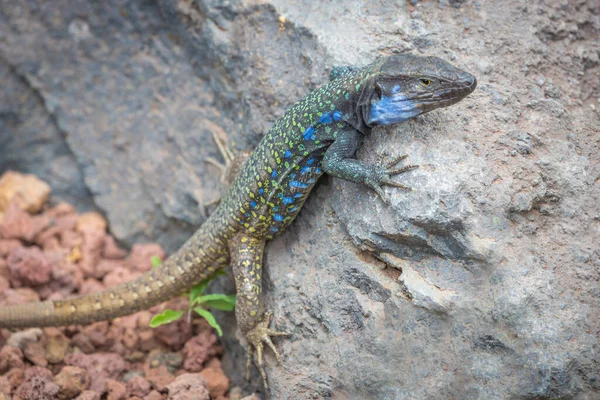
<point>246,261</point>
<point>232,162</point>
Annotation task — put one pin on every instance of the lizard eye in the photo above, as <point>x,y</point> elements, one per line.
<point>425,81</point>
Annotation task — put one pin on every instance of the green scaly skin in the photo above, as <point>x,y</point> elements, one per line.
<point>318,134</point>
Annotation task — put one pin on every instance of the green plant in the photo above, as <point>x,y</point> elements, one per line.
<point>198,302</point>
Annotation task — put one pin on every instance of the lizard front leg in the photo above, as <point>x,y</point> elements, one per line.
<point>246,260</point>
<point>338,162</point>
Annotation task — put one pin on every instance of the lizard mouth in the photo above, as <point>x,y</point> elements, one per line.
<point>391,109</point>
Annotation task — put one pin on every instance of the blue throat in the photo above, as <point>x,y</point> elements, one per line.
<point>391,110</point>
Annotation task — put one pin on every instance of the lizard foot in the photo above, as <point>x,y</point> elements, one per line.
<point>227,155</point>
<point>382,175</point>
<point>257,336</point>
<point>229,169</point>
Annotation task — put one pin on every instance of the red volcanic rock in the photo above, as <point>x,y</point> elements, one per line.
<point>28,266</point>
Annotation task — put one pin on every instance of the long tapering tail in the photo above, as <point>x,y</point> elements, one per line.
<point>196,260</point>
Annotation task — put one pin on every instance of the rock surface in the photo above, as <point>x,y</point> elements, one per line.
<point>482,283</point>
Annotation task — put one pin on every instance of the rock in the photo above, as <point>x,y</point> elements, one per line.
<point>27,191</point>
<point>138,386</point>
<point>106,266</point>
<point>130,338</point>
<point>13,379</point>
<point>10,357</point>
<point>97,334</point>
<point>143,319</point>
<point>4,271</point>
<point>71,240</point>
<point>115,339</point>
<point>82,342</point>
<point>67,278</point>
<point>171,360</point>
<point>37,385</point>
<point>188,387</point>
<point>147,341</point>
<point>56,345</point>
<point>28,266</point>
<point>17,224</point>
<point>198,350</point>
<point>116,390</point>
<point>216,381</point>
<point>119,275</point>
<point>8,245</point>
<point>61,234</point>
<point>72,381</point>
<point>154,395</point>
<point>91,248</point>
<point>61,210</point>
<point>49,239</point>
<point>91,285</point>
<point>159,377</point>
<point>32,141</point>
<point>21,338</point>
<point>88,395</point>
<point>67,221</point>
<point>177,333</point>
<point>129,375</point>
<point>37,371</point>
<point>35,353</point>
<point>18,296</point>
<point>140,258</point>
<point>100,366</point>
<point>5,388</point>
<point>91,221</point>
<point>111,250</point>
<point>235,393</point>
<point>252,397</point>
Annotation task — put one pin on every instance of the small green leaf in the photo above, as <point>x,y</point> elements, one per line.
<point>221,305</point>
<point>165,317</point>
<point>156,261</point>
<point>218,301</point>
<point>215,296</point>
<point>207,315</point>
<point>197,290</point>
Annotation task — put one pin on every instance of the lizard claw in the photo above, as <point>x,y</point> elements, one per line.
<point>396,160</point>
<point>229,168</point>
<point>389,166</point>
<point>258,336</point>
<point>383,176</point>
<point>390,182</point>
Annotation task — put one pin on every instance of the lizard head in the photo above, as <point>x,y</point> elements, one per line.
<point>405,86</point>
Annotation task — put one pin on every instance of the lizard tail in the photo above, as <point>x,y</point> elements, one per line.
<point>182,270</point>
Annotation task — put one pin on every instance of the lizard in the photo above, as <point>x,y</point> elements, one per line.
<point>318,135</point>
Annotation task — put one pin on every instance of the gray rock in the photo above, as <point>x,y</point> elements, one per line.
<point>480,283</point>
<point>31,142</point>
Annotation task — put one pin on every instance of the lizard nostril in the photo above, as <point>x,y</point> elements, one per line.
<point>470,82</point>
